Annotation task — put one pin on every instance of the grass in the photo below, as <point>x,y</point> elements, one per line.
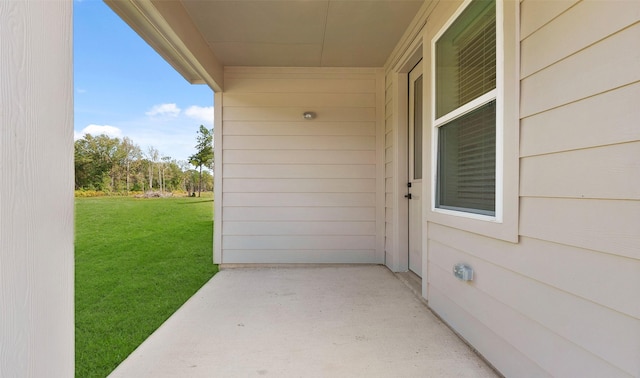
<point>137,261</point>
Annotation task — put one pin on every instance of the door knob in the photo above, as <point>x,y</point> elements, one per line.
<point>407,196</point>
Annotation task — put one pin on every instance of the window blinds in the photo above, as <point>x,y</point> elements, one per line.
<point>467,161</point>
<point>466,70</point>
<point>477,63</point>
<point>466,58</point>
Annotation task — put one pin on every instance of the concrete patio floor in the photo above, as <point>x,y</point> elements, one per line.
<point>335,321</point>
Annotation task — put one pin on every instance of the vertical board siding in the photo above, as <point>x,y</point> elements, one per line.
<point>381,158</point>
<point>388,169</point>
<point>36,189</point>
<point>560,301</point>
<point>301,190</point>
<point>218,163</point>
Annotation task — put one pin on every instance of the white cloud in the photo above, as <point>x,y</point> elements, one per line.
<point>81,90</point>
<point>200,113</point>
<point>171,110</point>
<point>95,130</point>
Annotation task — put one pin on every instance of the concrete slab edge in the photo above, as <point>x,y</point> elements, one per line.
<point>287,266</point>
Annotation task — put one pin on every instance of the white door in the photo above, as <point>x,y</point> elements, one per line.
<point>414,186</point>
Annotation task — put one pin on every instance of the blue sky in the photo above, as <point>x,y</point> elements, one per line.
<point>122,87</point>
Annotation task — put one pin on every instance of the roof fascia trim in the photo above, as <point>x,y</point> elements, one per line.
<point>182,46</point>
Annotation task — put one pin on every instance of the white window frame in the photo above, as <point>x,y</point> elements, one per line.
<point>504,223</point>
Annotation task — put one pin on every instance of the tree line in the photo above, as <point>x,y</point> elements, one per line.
<point>114,165</point>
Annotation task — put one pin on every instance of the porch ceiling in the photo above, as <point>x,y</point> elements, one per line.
<point>302,33</point>
<point>200,37</point>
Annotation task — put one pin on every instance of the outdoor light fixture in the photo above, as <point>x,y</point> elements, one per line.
<point>309,115</point>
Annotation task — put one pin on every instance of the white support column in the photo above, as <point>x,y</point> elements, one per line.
<point>36,189</point>
<point>217,179</point>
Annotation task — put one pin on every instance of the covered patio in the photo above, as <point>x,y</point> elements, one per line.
<point>335,320</point>
<point>555,268</point>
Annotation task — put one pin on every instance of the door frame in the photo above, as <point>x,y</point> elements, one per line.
<point>411,169</point>
<point>397,252</point>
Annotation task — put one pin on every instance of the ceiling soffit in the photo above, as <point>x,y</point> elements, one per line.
<point>302,33</point>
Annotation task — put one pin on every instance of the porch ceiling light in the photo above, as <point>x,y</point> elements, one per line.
<point>309,115</point>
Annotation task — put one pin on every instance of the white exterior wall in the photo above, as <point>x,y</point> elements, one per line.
<point>36,189</point>
<point>295,190</point>
<point>563,300</point>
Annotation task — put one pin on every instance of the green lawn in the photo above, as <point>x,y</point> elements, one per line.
<point>137,261</point>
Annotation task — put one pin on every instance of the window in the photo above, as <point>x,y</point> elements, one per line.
<point>466,104</point>
<point>417,128</point>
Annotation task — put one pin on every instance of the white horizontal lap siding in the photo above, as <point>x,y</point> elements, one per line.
<point>299,228</point>
<point>561,301</point>
<point>298,213</point>
<point>305,143</point>
<point>550,306</point>
<point>292,171</point>
<point>295,190</point>
<point>295,185</point>
<point>608,64</point>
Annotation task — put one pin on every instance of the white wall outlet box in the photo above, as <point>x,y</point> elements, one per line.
<point>463,272</point>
